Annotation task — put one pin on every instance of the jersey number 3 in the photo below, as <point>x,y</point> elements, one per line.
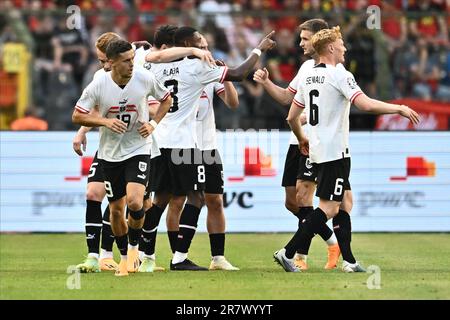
<point>174,84</point>
<point>313,108</point>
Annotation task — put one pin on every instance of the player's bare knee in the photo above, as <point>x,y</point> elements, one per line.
<point>95,193</point>
<point>347,202</point>
<point>177,203</point>
<point>196,198</point>
<point>291,206</point>
<point>134,203</point>
<point>214,204</point>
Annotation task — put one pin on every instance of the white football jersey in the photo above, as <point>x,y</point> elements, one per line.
<point>129,105</point>
<point>293,85</point>
<point>206,122</point>
<point>186,78</point>
<point>327,92</point>
<point>139,56</point>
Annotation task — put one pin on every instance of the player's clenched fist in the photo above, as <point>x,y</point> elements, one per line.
<point>116,125</point>
<point>145,130</point>
<point>261,75</point>
<point>267,43</point>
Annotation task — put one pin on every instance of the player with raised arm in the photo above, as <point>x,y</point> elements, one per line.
<point>179,172</point>
<point>327,91</point>
<point>299,177</point>
<point>207,143</point>
<point>125,142</point>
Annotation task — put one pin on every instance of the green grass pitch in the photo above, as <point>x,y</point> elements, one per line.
<point>413,266</point>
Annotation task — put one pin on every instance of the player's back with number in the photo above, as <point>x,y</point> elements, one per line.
<point>186,79</point>
<point>327,91</point>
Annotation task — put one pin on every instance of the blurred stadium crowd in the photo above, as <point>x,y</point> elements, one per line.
<point>408,57</point>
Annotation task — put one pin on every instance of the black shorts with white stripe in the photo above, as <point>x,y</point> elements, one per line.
<point>333,179</point>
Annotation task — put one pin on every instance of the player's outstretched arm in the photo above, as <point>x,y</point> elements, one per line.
<point>282,96</point>
<point>367,104</point>
<point>90,120</point>
<point>293,120</point>
<point>241,72</point>
<point>176,53</point>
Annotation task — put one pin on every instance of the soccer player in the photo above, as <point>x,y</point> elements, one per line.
<point>299,173</point>
<point>95,187</point>
<point>207,143</point>
<point>179,172</point>
<point>125,141</point>
<point>327,91</point>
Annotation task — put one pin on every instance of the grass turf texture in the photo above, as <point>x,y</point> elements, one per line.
<point>413,266</point>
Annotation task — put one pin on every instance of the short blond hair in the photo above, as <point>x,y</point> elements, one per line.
<point>324,37</point>
<point>103,41</point>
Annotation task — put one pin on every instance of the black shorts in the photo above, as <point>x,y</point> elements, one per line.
<point>213,171</point>
<point>96,171</point>
<point>297,166</point>
<point>291,166</point>
<point>177,171</point>
<point>333,179</point>
<point>119,174</point>
<point>148,192</point>
<point>306,170</point>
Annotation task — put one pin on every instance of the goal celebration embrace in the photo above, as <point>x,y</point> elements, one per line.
<point>224,150</point>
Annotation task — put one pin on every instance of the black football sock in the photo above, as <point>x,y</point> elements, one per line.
<point>93,225</point>
<point>302,213</point>
<point>150,229</point>
<point>343,230</point>
<point>188,226</point>
<point>135,233</point>
<point>173,237</point>
<point>217,241</point>
<point>306,231</point>
<point>122,244</point>
<point>107,235</point>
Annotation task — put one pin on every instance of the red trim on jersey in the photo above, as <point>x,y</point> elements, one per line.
<point>224,74</point>
<point>81,109</point>
<point>298,104</point>
<point>165,96</point>
<point>355,95</point>
<point>220,91</point>
<point>292,89</point>
<point>130,108</point>
<point>153,102</point>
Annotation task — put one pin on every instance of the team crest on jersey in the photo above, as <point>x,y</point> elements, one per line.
<point>123,105</point>
<point>308,164</point>
<point>351,82</point>
<point>142,166</point>
<point>147,65</point>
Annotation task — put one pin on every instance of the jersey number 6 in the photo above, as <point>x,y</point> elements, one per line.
<point>313,108</point>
